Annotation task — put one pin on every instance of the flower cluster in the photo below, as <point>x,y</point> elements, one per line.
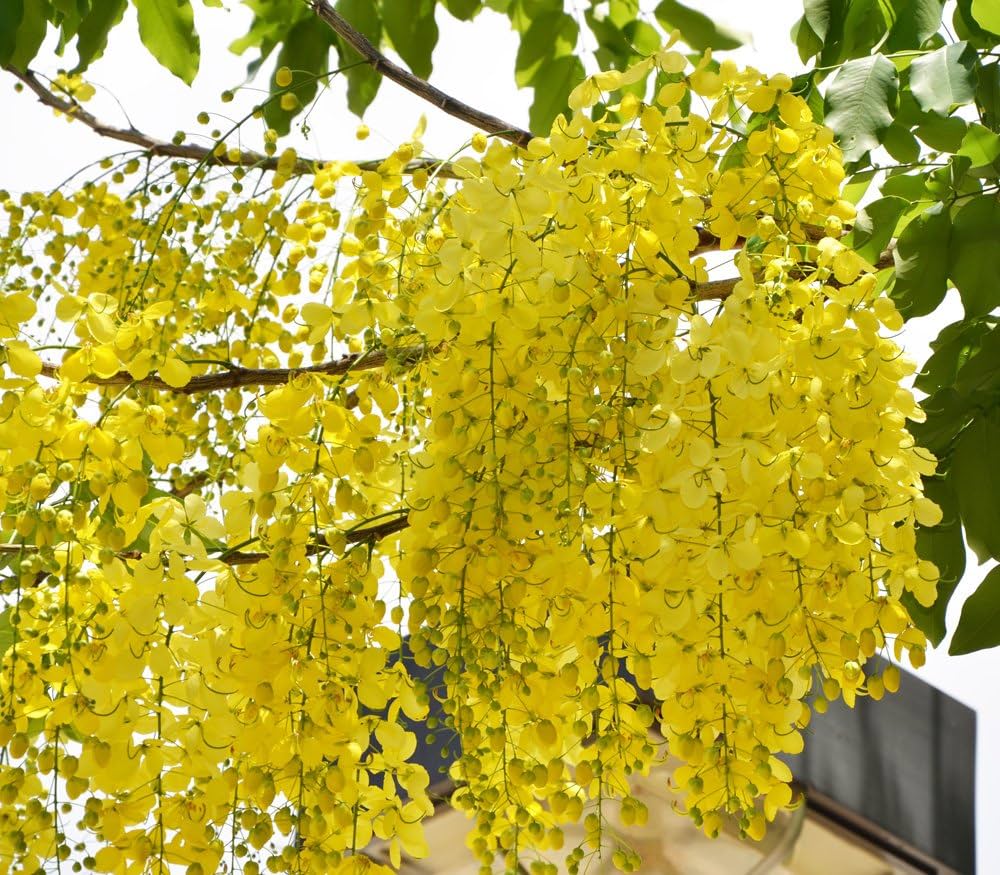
<point>619,510</point>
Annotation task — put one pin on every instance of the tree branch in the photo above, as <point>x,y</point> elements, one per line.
<point>247,158</point>
<point>381,64</point>
<point>251,159</point>
<point>193,485</point>
<point>356,536</point>
<point>714,290</point>
<point>236,378</point>
<point>150,145</point>
<point>708,242</point>
<point>718,290</point>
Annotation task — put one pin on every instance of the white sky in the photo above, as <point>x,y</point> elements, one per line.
<point>474,63</point>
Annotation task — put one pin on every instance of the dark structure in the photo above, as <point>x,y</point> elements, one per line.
<point>894,779</point>
<point>901,772</point>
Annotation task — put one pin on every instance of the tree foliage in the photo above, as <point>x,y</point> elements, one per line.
<point>550,39</point>
<point>939,200</point>
<point>275,431</point>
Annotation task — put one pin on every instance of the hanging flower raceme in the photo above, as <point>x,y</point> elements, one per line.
<point>626,511</point>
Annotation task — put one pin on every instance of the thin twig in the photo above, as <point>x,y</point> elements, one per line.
<point>250,159</point>
<point>715,290</point>
<point>355,536</point>
<point>236,378</point>
<point>150,145</point>
<point>358,536</point>
<point>718,290</point>
<point>193,485</point>
<point>708,242</point>
<point>247,158</point>
<point>435,96</point>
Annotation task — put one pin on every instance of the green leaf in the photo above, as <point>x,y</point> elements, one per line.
<point>697,29</point>
<point>974,257</point>
<point>613,50</point>
<point>411,28</point>
<point>850,28</point>
<point>68,8</point>
<point>166,28</point>
<point>865,26</point>
<point>618,47</point>
<point>946,78</point>
<point>806,42</point>
<point>943,134</point>
<point>915,22</point>
<point>944,546</point>
<point>805,85</point>
<point>975,475</point>
<point>363,84</point>
<point>979,372</point>
<point>859,103</point>
<point>11,13</point>
<point>306,52</point>
<point>911,186</point>
<point>981,146</point>
<point>855,187</point>
<point>552,83</point>
<point>945,183</point>
<point>921,257</point>
<point>948,413</point>
<point>6,632</point>
<point>875,226</point>
<point>550,35</point>
<point>987,14</point>
<point>272,21</point>
<point>953,347</point>
<point>822,16</point>
<point>463,10</point>
<point>30,34</point>
<point>92,37</point>
<point>979,625</point>
<point>523,12</point>
<point>621,12</point>
<point>967,28</point>
<point>736,156</point>
<point>988,95</point>
<point>900,143</point>
<point>643,37</point>
<point>68,24</point>
<point>362,81</point>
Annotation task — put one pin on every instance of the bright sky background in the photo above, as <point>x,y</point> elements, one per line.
<point>474,63</point>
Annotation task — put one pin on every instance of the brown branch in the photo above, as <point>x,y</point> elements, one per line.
<point>236,378</point>
<point>358,536</point>
<point>718,290</point>
<point>247,158</point>
<point>193,485</point>
<point>150,145</point>
<point>236,557</point>
<point>708,242</point>
<point>381,64</point>
<point>714,290</point>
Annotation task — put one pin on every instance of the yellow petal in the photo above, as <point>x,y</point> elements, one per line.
<point>926,512</point>
<point>175,373</point>
<point>23,360</point>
